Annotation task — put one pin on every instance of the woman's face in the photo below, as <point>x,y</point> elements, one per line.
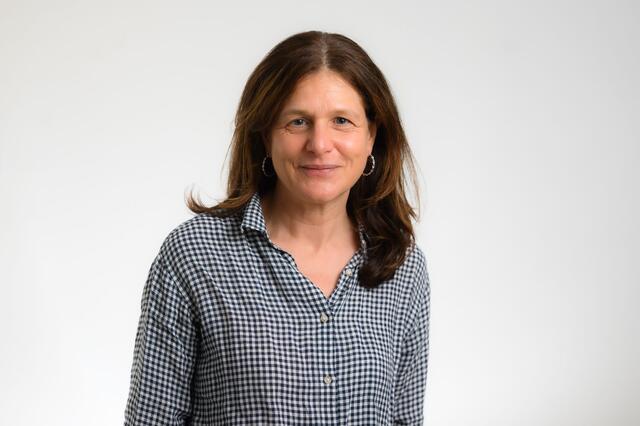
<point>321,140</point>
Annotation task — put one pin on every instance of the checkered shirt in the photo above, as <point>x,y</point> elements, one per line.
<point>232,333</point>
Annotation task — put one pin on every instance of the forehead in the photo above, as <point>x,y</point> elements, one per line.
<point>324,89</point>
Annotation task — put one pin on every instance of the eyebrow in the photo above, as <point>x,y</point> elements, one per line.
<point>298,111</point>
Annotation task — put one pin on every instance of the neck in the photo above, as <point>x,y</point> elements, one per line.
<point>317,226</point>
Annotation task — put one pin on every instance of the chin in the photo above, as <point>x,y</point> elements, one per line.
<point>321,196</point>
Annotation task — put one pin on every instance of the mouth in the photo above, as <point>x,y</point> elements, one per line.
<point>321,167</point>
<point>319,171</point>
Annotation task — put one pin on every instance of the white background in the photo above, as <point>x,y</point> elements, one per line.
<point>524,117</point>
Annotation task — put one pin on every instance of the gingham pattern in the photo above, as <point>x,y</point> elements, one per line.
<point>232,333</point>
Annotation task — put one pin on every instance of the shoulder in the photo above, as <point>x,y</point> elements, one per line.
<point>415,261</point>
<point>418,287</point>
<point>416,258</point>
<point>200,233</point>
<point>412,274</point>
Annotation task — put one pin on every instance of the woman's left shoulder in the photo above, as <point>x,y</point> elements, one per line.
<point>414,268</point>
<point>416,258</point>
<point>417,254</point>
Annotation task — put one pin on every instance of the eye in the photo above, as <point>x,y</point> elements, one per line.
<point>297,122</point>
<point>339,120</point>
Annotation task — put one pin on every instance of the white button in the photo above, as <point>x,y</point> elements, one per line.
<point>348,272</point>
<point>327,379</point>
<point>324,317</point>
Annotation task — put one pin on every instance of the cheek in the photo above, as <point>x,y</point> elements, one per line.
<point>356,148</point>
<point>285,150</point>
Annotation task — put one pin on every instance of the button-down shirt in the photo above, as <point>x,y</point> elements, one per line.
<point>231,332</point>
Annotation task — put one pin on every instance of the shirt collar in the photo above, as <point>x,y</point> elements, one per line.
<point>253,218</point>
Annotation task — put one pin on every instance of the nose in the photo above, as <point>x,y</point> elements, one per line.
<point>319,140</point>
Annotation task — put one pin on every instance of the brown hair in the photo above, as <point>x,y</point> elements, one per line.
<point>377,201</point>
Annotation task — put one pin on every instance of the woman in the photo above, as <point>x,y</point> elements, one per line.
<point>302,298</point>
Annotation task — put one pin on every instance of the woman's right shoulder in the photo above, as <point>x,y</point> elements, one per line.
<point>202,231</point>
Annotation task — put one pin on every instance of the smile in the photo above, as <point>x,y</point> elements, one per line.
<point>319,171</point>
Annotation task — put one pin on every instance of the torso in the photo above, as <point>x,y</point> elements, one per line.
<point>255,319</point>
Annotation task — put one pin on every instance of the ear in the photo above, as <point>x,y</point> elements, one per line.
<point>373,128</point>
<point>267,145</point>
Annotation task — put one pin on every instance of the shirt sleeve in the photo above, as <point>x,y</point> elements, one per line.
<point>164,353</point>
<point>412,370</point>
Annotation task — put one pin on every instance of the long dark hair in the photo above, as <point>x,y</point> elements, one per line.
<point>377,201</point>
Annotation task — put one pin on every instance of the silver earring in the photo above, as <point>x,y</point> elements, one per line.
<point>263,170</point>
<point>373,165</point>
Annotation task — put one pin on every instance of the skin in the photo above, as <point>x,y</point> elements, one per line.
<point>306,214</point>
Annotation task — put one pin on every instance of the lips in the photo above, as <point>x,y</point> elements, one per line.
<point>319,167</point>
<point>320,171</point>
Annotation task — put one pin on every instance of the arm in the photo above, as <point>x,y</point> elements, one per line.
<point>412,369</point>
<point>164,354</point>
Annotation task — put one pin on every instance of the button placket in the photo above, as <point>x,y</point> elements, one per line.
<point>324,319</point>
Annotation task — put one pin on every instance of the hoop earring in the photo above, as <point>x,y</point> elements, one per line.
<point>373,165</point>
<point>263,170</point>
